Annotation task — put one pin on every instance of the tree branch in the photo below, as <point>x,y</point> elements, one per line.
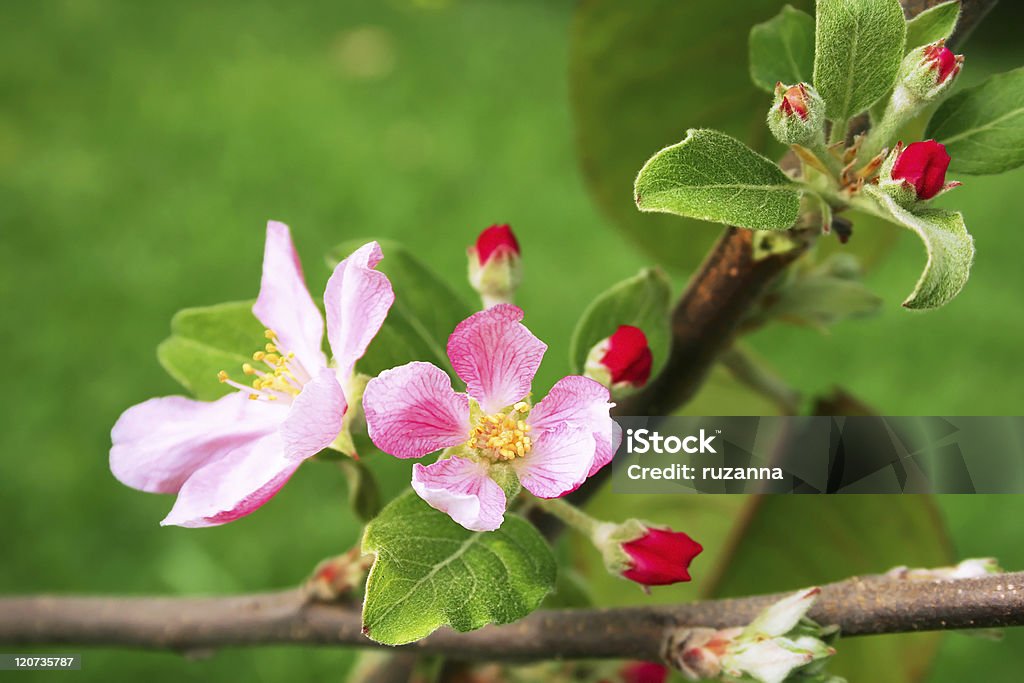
<point>860,606</point>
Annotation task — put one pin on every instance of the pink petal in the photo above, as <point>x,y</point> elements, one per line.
<point>559,462</point>
<point>233,486</point>
<point>284,304</point>
<point>412,410</point>
<point>462,489</point>
<point>496,356</point>
<point>357,300</point>
<point>158,444</point>
<point>314,420</point>
<point>581,403</point>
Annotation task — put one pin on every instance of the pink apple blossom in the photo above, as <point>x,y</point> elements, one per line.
<point>228,457</point>
<point>492,431</point>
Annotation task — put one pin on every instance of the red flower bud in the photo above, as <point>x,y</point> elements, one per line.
<point>660,557</point>
<point>628,357</point>
<point>794,101</point>
<point>496,240</point>
<point>644,672</point>
<point>923,165</point>
<point>942,60</point>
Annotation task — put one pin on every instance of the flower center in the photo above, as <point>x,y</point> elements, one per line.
<point>503,436</point>
<point>283,377</point>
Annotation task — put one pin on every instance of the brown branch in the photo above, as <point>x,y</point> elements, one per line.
<point>860,606</point>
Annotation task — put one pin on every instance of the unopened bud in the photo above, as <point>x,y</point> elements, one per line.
<point>495,268</point>
<point>928,72</point>
<point>644,554</point>
<point>621,361</point>
<point>797,116</point>
<point>916,172</point>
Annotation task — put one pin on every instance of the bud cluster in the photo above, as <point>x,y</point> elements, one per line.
<point>781,644</point>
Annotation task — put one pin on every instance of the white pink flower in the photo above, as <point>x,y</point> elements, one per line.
<point>228,457</point>
<point>492,431</point>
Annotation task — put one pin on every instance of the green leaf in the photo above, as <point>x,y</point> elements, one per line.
<point>822,295</point>
<point>640,74</point>
<point>641,301</point>
<point>209,339</point>
<point>425,312</point>
<point>950,250</point>
<point>983,127</point>
<point>782,49</point>
<point>858,50</point>
<point>430,572</point>
<point>935,23</point>
<point>714,177</point>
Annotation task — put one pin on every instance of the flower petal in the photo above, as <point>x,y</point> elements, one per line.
<point>496,356</point>
<point>357,300</point>
<point>583,403</point>
<point>412,410</point>
<point>559,462</point>
<point>461,488</point>
<point>158,444</point>
<point>233,486</point>
<point>284,304</point>
<point>314,420</point>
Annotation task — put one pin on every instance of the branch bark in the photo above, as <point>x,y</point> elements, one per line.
<point>860,606</point>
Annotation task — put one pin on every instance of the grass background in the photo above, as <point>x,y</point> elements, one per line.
<point>144,145</point>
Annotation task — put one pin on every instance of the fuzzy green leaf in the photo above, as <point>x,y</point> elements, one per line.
<point>430,572</point>
<point>933,24</point>
<point>782,49</point>
<point>858,50</point>
<point>950,250</point>
<point>209,339</point>
<point>983,127</point>
<point>715,177</point>
<point>641,301</point>
<point>425,312</point>
<point>821,295</point>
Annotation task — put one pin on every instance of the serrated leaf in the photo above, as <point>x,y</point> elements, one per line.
<point>641,301</point>
<point>932,24</point>
<point>206,340</point>
<point>431,572</point>
<point>950,250</point>
<point>858,50</point>
<point>683,71</point>
<point>983,127</point>
<point>425,312</point>
<point>782,49</point>
<point>715,177</point>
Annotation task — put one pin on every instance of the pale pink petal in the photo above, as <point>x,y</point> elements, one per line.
<point>582,403</point>
<point>314,420</point>
<point>462,489</point>
<point>357,300</point>
<point>233,486</point>
<point>559,462</point>
<point>158,444</point>
<point>496,356</point>
<point>284,304</point>
<point>412,410</point>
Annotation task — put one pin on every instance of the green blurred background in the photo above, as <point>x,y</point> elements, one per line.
<point>144,145</point>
